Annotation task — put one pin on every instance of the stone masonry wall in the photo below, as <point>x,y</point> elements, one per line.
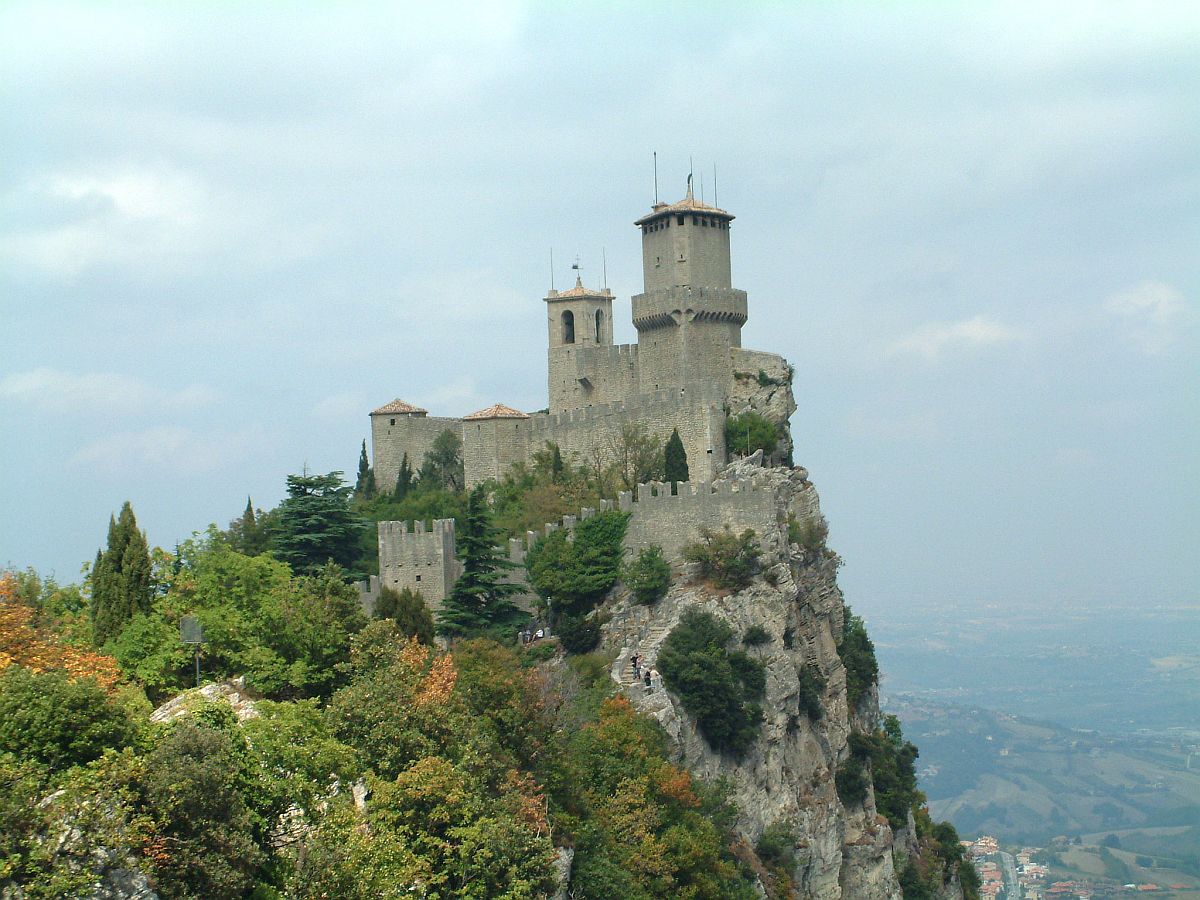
<point>611,373</point>
<point>410,434</point>
<point>696,410</point>
<point>421,560</point>
<point>424,560</point>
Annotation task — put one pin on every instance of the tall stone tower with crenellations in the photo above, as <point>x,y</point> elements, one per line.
<point>687,371</point>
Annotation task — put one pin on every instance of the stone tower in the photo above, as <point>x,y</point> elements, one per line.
<point>689,317</point>
<point>579,320</point>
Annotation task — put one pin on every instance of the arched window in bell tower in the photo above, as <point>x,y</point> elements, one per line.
<point>568,327</point>
<point>599,325</point>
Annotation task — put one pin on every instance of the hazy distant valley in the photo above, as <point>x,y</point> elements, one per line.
<point>1059,721</point>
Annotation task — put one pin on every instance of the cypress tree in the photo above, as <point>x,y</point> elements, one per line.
<point>121,578</point>
<point>480,598</point>
<point>364,487</point>
<point>556,466</point>
<point>675,458</point>
<point>404,481</point>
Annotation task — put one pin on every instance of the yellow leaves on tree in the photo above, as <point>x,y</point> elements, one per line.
<point>24,645</point>
<point>438,685</point>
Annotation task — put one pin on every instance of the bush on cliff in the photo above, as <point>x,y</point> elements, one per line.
<point>858,656</point>
<point>726,559</point>
<point>648,576</point>
<point>407,608</point>
<point>750,431</point>
<point>573,571</point>
<point>718,687</point>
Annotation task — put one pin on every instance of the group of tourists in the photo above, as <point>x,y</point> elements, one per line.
<point>534,632</point>
<point>647,675</point>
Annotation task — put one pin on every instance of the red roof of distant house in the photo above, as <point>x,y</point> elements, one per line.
<point>498,411</point>
<point>398,406</point>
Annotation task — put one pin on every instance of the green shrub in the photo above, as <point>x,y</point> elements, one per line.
<point>578,635</point>
<point>726,559</point>
<point>574,571</point>
<point>407,608</point>
<point>538,653</point>
<point>750,431</point>
<point>756,636</point>
<point>718,687</point>
<point>47,717</point>
<point>777,845</point>
<point>857,653</point>
<point>810,535</point>
<point>810,691</point>
<point>852,780</point>
<point>789,637</point>
<point>648,576</point>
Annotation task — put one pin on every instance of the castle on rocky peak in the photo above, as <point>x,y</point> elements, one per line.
<point>687,371</point>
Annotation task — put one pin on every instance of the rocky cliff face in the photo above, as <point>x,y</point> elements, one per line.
<point>788,776</point>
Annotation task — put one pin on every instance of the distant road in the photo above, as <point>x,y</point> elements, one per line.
<point>1012,887</point>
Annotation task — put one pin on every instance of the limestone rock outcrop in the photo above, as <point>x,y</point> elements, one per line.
<point>788,775</point>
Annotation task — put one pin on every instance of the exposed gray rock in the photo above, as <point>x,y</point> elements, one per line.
<point>563,860</point>
<point>788,775</point>
<point>232,692</point>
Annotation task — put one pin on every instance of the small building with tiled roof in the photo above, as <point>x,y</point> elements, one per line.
<point>399,408</point>
<point>496,411</point>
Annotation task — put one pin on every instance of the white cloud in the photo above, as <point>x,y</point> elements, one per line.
<point>166,447</point>
<point>109,393</point>
<point>1153,312</point>
<point>934,340</point>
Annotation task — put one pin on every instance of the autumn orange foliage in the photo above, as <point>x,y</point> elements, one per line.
<point>24,645</point>
<point>438,685</point>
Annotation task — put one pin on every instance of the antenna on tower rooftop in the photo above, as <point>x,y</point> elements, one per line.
<point>551,268</point>
<point>701,188</point>
<point>656,178</point>
<point>604,268</point>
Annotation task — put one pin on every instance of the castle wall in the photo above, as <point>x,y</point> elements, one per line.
<point>421,559</point>
<point>674,521</point>
<point>491,446</point>
<point>586,375</point>
<point>696,410</point>
<point>686,334</point>
<point>394,435</point>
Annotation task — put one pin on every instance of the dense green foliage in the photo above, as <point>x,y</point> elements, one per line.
<point>578,634</point>
<point>717,686</point>
<point>750,431</point>
<point>120,580</point>
<point>479,602</point>
<point>287,634</point>
<point>443,463</point>
<point>858,656</point>
<point>50,719</point>
<point>648,576</point>
<point>317,525</point>
<point>726,559</point>
<point>407,608</point>
<point>572,571</point>
<point>675,462</point>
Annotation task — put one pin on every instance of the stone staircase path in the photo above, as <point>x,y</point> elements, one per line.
<point>648,647</point>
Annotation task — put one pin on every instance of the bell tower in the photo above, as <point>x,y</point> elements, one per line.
<point>577,321</point>
<point>689,316</point>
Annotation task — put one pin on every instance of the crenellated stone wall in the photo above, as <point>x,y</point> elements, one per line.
<point>419,559</point>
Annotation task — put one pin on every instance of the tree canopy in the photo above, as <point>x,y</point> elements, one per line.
<point>121,582</point>
<point>316,525</point>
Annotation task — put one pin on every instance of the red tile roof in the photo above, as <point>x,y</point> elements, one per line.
<point>398,406</point>
<point>498,411</point>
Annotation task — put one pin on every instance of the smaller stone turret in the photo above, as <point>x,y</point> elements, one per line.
<point>577,320</point>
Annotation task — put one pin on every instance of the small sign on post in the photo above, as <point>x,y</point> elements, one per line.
<point>190,632</point>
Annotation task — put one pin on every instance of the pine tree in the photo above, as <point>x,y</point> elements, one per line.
<point>121,578</point>
<point>480,598</point>
<point>404,481</point>
<point>364,487</point>
<point>316,524</point>
<point>247,534</point>
<point>675,458</point>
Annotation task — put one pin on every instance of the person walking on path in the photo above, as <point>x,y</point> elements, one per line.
<point>655,680</point>
<point>649,686</point>
<point>636,659</point>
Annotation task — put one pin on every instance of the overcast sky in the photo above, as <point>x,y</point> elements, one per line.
<point>226,235</point>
